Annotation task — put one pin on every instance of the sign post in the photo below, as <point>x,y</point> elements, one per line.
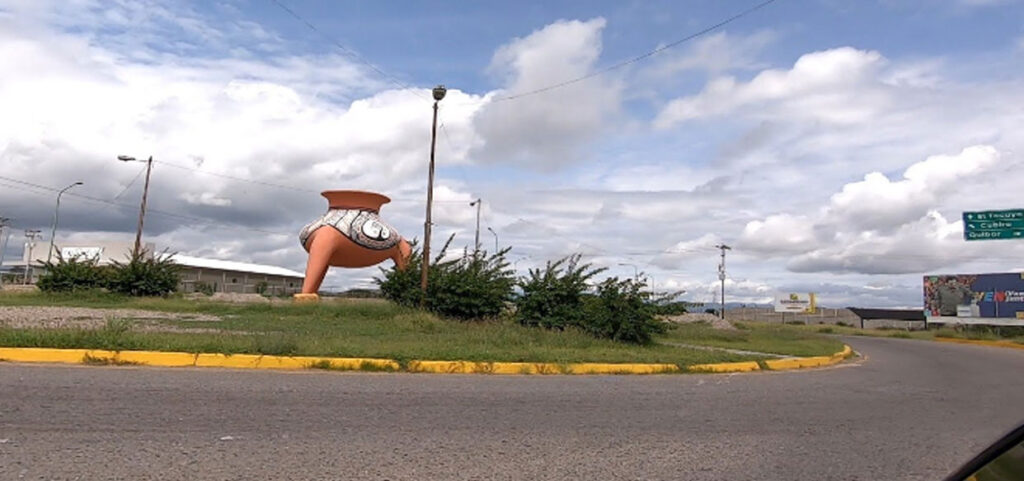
<point>994,224</point>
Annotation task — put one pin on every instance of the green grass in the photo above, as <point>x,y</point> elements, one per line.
<point>986,333</point>
<point>770,338</point>
<point>374,329</point>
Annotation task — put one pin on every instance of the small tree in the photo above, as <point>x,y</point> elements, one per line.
<point>553,298</point>
<point>621,311</point>
<point>145,275</point>
<point>473,287</point>
<point>74,274</point>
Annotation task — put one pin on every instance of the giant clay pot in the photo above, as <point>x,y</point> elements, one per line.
<point>350,234</point>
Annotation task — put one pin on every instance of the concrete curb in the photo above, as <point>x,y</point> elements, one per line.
<point>776,364</point>
<point>184,359</point>
<point>979,342</point>
<point>255,361</point>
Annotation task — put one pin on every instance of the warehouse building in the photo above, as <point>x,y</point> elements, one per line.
<point>197,274</point>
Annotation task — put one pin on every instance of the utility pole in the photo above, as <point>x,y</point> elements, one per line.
<point>4,237</point>
<point>142,209</point>
<point>438,93</point>
<point>477,203</point>
<point>30,244</point>
<point>721,274</point>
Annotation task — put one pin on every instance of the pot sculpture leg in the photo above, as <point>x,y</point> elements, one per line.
<point>321,246</point>
<point>328,247</point>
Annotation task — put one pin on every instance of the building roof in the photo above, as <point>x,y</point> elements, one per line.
<point>202,263</point>
<point>889,314</point>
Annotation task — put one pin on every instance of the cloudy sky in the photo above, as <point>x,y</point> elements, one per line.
<point>833,144</point>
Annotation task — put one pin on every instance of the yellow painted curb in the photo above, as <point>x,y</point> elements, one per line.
<point>979,342</point>
<point>467,367</point>
<point>806,362</point>
<point>745,366</point>
<point>256,361</point>
<point>184,359</point>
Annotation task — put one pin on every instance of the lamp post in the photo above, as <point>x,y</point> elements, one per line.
<point>4,237</point>
<point>56,215</point>
<point>495,239</point>
<point>30,244</point>
<point>477,203</point>
<point>438,93</point>
<point>145,193</point>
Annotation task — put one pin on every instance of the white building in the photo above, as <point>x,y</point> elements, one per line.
<point>197,273</point>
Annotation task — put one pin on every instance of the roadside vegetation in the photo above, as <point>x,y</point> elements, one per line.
<point>366,328</point>
<point>982,333</point>
<point>475,310</point>
<point>341,328</point>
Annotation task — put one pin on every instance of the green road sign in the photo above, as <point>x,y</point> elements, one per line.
<point>994,224</point>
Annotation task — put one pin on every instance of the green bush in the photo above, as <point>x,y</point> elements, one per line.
<point>70,275</point>
<point>403,286</point>
<point>621,311</point>
<point>553,298</point>
<point>472,287</point>
<point>204,288</point>
<point>144,275</point>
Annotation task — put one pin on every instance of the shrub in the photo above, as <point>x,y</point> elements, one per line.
<point>621,311</point>
<point>261,288</point>
<point>473,287</point>
<point>403,287</point>
<point>553,298</point>
<point>144,275</point>
<point>69,275</point>
<point>204,288</point>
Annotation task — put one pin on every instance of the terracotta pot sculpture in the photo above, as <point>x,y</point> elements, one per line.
<point>350,234</point>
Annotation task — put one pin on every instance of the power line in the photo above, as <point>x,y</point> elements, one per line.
<point>352,53</point>
<point>159,212</point>
<point>639,57</point>
<point>143,169</point>
<point>280,186</point>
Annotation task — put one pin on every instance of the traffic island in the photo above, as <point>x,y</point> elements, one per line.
<point>253,361</point>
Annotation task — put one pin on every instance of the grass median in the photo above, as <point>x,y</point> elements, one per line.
<point>370,328</point>
<point>978,333</point>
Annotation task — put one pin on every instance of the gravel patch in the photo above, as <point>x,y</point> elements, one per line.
<point>51,317</point>
<point>715,321</point>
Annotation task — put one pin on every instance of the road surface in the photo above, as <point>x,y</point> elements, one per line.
<point>911,410</point>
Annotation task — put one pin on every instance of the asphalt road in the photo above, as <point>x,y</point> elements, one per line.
<point>910,410</point>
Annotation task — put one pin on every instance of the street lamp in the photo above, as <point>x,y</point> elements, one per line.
<point>56,214</point>
<point>477,203</point>
<point>145,193</point>
<point>495,239</point>
<point>438,93</point>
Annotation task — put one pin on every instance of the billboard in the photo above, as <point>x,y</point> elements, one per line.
<point>994,299</point>
<point>794,302</point>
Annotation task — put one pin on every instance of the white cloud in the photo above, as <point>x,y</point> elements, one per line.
<point>716,53</point>
<point>812,88</point>
<point>547,130</point>
<point>877,226</point>
<point>206,198</point>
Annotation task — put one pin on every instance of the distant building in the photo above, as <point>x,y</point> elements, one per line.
<point>197,273</point>
<point>230,276</point>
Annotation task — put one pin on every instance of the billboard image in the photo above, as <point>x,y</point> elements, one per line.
<point>795,302</point>
<point>995,299</point>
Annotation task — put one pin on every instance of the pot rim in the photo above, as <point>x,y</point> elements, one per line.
<point>355,199</point>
